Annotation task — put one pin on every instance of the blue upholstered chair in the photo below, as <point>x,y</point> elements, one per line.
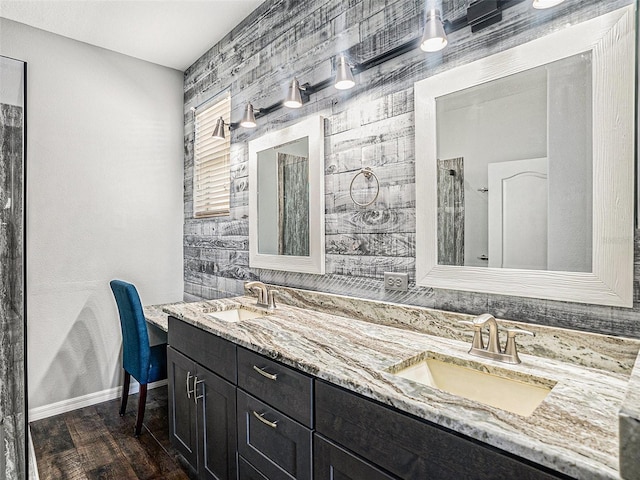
<point>146,364</point>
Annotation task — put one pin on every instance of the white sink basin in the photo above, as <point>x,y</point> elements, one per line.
<point>521,396</point>
<point>236,314</point>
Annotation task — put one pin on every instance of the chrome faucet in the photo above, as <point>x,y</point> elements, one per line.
<point>266,296</point>
<point>492,350</point>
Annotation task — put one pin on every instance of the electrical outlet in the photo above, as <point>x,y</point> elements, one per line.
<point>396,281</point>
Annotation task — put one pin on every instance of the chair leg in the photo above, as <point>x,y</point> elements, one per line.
<point>125,393</point>
<point>142,400</point>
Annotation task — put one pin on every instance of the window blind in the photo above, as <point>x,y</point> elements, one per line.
<point>211,173</point>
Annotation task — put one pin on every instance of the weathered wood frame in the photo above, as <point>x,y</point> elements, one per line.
<point>611,39</point>
<point>313,128</point>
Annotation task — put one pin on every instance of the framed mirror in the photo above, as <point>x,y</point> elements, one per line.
<point>286,198</point>
<point>524,168</point>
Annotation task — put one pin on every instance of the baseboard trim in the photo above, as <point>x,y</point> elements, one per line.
<point>64,406</point>
<point>33,464</point>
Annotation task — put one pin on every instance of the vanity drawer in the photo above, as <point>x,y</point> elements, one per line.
<point>280,386</point>
<point>246,471</point>
<point>277,446</point>
<point>210,351</point>
<point>333,462</point>
<point>411,448</point>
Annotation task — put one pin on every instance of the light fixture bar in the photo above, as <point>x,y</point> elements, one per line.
<point>450,26</point>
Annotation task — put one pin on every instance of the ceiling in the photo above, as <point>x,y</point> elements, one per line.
<point>172,33</point>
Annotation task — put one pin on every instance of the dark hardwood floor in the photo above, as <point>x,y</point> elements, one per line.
<point>96,443</point>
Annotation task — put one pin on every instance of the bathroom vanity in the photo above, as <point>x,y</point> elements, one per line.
<point>303,393</point>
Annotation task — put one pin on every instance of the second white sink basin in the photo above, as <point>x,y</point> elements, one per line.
<point>521,396</point>
<point>236,314</point>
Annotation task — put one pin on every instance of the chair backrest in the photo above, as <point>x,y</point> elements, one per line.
<point>135,339</point>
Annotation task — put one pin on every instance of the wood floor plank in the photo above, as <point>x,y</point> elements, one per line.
<point>61,465</point>
<point>112,471</point>
<point>100,452</point>
<point>97,443</point>
<point>85,426</point>
<point>53,436</point>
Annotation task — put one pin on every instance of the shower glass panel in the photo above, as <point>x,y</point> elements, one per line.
<point>12,306</point>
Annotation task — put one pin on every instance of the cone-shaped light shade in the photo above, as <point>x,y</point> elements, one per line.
<point>434,38</point>
<point>294,99</point>
<point>540,4</point>
<point>344,77</point>
<point>249,119</point>
<point>218,132</point>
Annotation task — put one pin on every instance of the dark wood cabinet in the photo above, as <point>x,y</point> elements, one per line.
<point>182,409</point>
<point>412,448</point>
<point>332,462</point>
<point>216,400</point>
<point>202,412</point>
<point>237,414</point>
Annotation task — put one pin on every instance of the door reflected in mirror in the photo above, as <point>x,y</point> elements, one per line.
<point>283,199</point>
<point>515,170</point>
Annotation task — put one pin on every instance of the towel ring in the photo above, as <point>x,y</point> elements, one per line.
<point>368,173</point>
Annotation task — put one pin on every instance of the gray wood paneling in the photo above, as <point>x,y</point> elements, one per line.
<point>370,125</point>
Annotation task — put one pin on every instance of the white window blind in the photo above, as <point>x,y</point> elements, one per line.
<point>211,173</point>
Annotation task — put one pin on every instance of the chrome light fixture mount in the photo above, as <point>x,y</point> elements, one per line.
<point>249,118</point>
<point>344,75</point>
<point>434,37</point>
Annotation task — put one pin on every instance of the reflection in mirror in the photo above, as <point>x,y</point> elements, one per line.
<point>283,199</point>
<point>515,170</point>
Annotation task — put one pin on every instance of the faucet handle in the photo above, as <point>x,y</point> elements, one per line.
<point>271,300</point>
<point>513,331</point>
<point>477,341</point>
<point>510,349</point>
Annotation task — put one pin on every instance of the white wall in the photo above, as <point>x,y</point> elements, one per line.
<point>104,201</point>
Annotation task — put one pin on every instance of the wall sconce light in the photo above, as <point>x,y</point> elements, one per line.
<point>218,131</point>
<point>434,37</point>
<point>540,4</point>
<point>294,98</point>
<point>249,118</point>
<point>344,76</point>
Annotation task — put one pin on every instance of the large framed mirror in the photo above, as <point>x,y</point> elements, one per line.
<point>524,168</point>
<point>286,198</point>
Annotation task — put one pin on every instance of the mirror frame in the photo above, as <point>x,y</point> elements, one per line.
<point>313,128</point>
<point>611,39</point>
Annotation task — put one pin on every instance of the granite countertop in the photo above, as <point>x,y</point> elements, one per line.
<point>574,430</point>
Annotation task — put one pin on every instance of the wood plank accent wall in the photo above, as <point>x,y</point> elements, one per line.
<point>370,125</point>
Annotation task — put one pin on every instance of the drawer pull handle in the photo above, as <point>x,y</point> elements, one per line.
<point>189,392</point>
<point>270,376</point>
<point>260,416</point>
<point>197,397</point>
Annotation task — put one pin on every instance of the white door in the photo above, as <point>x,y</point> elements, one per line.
<point>518,214</point>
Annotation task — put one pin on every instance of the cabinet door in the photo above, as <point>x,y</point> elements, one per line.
<point>182,408</point>
<point>334,463</point>
<point>276,445</point>
<point>216,399</point>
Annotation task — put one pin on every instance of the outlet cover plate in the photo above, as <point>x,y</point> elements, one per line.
<point>396,281</point>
